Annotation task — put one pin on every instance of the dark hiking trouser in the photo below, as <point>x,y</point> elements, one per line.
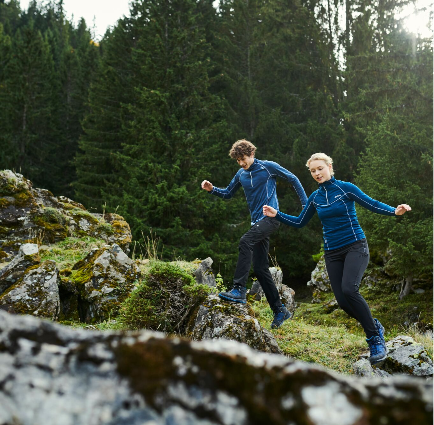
<point>345,267</point>
<point>254,246</point>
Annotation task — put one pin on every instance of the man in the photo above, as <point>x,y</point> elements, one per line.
<point>258,179</point>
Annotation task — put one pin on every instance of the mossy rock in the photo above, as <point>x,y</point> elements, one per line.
<point>164,300</point>
<point>103,280</point>
<point>36,292</point>
<point>218,319</point>
<point>12,183</point>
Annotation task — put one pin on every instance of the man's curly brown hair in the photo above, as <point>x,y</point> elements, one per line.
<point>242,148</point>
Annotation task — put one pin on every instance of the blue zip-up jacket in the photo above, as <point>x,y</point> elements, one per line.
<point>259,184</point>
<point>334,201</point>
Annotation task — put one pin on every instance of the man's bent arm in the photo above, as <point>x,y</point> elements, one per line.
<point>227,193</point>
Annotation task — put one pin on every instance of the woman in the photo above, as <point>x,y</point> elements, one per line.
<point>346,251</point>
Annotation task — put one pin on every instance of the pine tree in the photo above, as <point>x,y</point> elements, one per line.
<point>397,165</point>
<point>27,105</point>
<point>103,124</point>
<point>174,138</point>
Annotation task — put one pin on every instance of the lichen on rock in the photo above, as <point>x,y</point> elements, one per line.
<point>103,279</point>
<point>36,292</point>
<point>28,255</point>
<point>33,214</point>
<point>218,319</point>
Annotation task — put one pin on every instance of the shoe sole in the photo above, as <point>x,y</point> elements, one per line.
<point>286,318</point>
<point>379,360</point>
<point>232,299</point>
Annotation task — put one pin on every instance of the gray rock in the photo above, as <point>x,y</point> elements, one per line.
<point>331,306</point>
<point>36,292</point>
<point>319,278</point>
<point>364,368</point>
<point>28,256</point>
<point>217,319</point>
<point>286,293</point>
<point>103,279</point>
<point>405,356</point>
<point>54,375</point>
<point>204,275</point>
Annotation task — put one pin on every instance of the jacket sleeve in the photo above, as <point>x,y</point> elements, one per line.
<point>355,194</point>
<point>227,193</point>
<point>303,218</point>
<point>278,170</point>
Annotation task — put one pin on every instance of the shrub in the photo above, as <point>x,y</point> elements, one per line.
<point>164,300</point>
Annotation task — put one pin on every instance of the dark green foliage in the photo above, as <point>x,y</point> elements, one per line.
<point>180,81</point>
<point>163,300</point>
<point>46,69</point>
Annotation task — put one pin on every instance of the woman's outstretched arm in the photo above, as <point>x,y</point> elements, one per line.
<point>290,220</point>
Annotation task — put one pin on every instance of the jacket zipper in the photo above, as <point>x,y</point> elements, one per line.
<point>251,180</point>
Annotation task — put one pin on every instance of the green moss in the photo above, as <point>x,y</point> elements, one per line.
<point>24,199</point>
<point>79,213</point>
<point>163,299</point>
<point>4,203</point>
<point>68,252</point>
<point>104,227</point>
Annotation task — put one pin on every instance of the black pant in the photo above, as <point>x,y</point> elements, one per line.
<point>345,267</point>
<point>254,246</point>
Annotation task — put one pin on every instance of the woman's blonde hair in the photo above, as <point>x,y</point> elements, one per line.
<point>319,156</point>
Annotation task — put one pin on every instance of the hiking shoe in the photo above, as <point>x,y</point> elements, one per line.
<point>380,328</point>
<point>280,316</point>
<point>237,294</point>
<point>377,349</point>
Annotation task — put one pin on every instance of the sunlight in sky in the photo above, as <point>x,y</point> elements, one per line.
<point>105,12</point>
<point>416,20</point>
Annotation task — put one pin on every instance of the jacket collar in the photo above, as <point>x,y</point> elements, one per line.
<point>254,165</point>
<point>328,182</point>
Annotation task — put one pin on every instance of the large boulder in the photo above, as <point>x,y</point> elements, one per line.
<point>36,292</point>
<point>32,214</point>
<point>28,256</point>
<point>217,319</point>
<point>102,281</point>
<point>52,375</point>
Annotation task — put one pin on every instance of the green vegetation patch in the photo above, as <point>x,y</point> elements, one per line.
<point>69,251</point>
<point>163,300</point>
<point>328,336</point>
<point>334,347</point>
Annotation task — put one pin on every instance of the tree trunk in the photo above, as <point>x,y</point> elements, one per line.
<point>406,287</point>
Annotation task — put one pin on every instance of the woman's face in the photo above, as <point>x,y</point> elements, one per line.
<point>320,171</point>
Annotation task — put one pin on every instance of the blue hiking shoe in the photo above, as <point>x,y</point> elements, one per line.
<point>380,328</point>
<point>237,294</point>
<point>377,349</point>
<point>280,316</point>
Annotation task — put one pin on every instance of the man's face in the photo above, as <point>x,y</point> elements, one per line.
<point>246,161</point>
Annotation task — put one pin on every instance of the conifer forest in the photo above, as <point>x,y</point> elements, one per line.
<point>134,122</point>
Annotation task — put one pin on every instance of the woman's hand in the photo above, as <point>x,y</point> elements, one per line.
<point>269,211</point>
<point>206,185</point>
<point>402,209</point>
